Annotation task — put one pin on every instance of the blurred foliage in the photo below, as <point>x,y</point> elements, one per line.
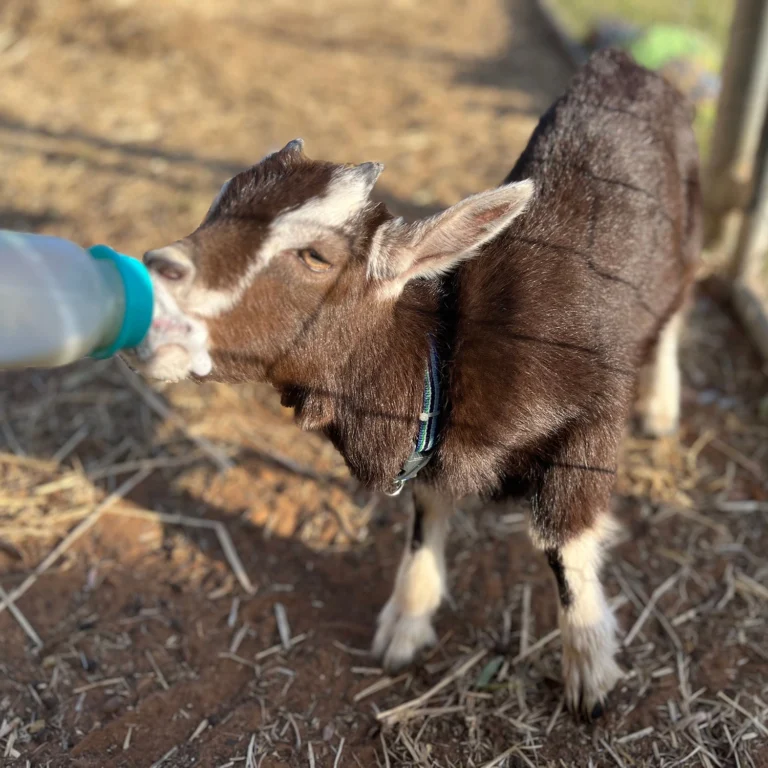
<point>689,59</point>
<point>686,41</point>
<point>712,17</point>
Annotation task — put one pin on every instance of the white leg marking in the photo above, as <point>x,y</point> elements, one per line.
<point>659,391</point>
<point>405,623</point>
<point>587,624</point>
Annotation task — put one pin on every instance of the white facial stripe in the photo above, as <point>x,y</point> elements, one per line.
<point>208,302</point>
<point>291,234</point>
<point>345,196</point>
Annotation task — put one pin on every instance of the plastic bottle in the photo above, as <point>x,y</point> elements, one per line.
<point>59,302</point>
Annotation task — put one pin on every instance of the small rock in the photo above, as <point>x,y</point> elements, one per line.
<point>49,700</point>
<point>112,704</point>
<point>35,727</point>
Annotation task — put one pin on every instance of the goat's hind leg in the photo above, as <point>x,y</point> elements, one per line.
<point>658,402</point>
<point>405,623</point>
<point>571,522</point>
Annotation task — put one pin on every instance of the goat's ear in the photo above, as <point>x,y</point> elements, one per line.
<point>401,252</point>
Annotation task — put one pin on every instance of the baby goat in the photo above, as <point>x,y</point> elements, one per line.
<point>536,308</point>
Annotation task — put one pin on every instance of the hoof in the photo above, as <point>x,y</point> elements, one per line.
<point>587,690</point>
<point>400,639</point>
<point>589,670</point>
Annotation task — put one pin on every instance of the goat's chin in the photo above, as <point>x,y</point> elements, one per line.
<point>169,363</point>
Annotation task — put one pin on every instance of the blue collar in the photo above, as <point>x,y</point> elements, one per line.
<point>426,437</point>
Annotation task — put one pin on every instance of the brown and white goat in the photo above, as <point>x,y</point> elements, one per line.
<point>548,299</point>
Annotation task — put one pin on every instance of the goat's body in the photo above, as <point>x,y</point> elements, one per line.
<point>549,304</point>
<point>551,325</point>
<point>556,315</point>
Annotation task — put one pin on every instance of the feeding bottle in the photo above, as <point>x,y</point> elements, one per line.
<point>59,302</point>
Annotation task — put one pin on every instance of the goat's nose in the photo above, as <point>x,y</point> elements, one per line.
<point>170,263</point>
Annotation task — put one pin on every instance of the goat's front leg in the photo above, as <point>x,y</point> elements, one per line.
<point>587,624</point>
<point>571,522</point>
<point>405,623</point>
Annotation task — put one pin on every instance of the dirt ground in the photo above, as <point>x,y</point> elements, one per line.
<point>119,119</point>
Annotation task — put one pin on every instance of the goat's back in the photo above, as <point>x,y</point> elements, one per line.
<point>616,166</point>
<point>557,313</point>
<point>612,238</point>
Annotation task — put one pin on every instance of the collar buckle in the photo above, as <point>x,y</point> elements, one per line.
<point>396,489</point>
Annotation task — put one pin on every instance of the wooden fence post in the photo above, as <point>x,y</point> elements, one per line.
<point>736,181</point>
<point>741,114</point>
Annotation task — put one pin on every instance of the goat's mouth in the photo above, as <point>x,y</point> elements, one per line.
<point>176,345</point>
<point>169,363</point>
<point>172,352</point>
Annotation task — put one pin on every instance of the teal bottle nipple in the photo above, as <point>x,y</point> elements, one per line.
<point>139,300</point>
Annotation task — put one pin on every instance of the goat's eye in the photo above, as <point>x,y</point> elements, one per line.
<point>312,259</point>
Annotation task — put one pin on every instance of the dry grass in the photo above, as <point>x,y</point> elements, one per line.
<point>698,572</point>
<point>186,557</point>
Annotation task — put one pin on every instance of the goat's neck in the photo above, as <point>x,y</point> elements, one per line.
<point>369,406</point>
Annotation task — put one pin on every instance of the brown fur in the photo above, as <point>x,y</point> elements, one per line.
<point>541,333</point>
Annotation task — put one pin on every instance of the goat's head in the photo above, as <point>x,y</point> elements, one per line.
<point>292,265</point>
